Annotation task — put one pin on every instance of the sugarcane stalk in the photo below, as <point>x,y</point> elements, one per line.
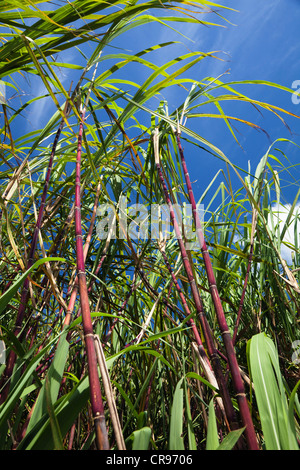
<point>232,360</point>
<point>25,291</point>
<point>109,395</point>
<point>5,380</point>
<point>133,287</point>
<point>231,416</point>
<point>74,292</point>
<point>191,322</point>
<point>238,317</point>
<point>95,389</point>
<point>198,345</point>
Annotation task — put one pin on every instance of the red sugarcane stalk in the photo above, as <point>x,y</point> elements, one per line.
<point>103,257</point>
<point>95,389</point>
<point>191,322</point>
<point>233,364</point>
<point>204,360</point>
<point>17,270</point>
<point>120,312</point>
<point>238,318</point>
<point>148,393</point>
<point>25,291</point>
<point>85,251</point>
<point>198,303</point>
<point>254,219</point>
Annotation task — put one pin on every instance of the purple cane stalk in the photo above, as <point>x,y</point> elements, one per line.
<point>198,303</point>
<point>25,291</point>
<point>233,364</point>
<point>204,360</point>
<point>85,251</point>
<point>95,389</point>
<point>238,318</point>
<point>191,322</point>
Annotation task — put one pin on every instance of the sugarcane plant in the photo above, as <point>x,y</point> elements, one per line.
<point>116,336</point>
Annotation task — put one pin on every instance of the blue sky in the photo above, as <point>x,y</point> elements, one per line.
<point>261,41</point>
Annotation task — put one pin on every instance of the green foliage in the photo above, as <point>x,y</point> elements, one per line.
<point>212,440</point>
<point>7,296</point>
<point>176,419</point>
<point>141,439</point>
<point>276,419</point>
<point>165,397</point>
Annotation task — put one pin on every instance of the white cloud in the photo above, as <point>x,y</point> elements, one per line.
<point>38,108</point>
<point>280,213</point>
<point>41,110</point>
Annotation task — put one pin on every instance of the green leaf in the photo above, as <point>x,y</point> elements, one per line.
<point>191,433</point>
<point>9,294</point>
<point>212,438</point>
<point>66,410</point>
<point>270,395</point>
<point>193,375</point>
<point>291,416</point>
<point>14,395</point>
<point>141,439</point>
<point>57,437</point>
<point>53,378</point>
<point>176,420</point>
<point>231,439</point>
